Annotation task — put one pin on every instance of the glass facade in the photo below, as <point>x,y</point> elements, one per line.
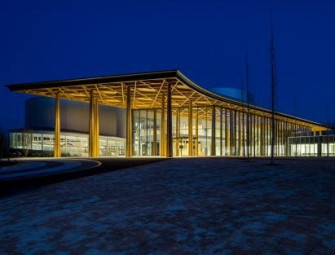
<point>72,144</point>
<point>166,114</point>
<point>211,131</point>
<point>146,142</point>
<point>306,146</point>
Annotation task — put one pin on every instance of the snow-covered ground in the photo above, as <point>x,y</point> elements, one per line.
<point>179,206</point>
<point>30,168</point>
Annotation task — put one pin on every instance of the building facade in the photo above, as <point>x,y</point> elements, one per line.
<point>37,137</point>
<point>166,114</point>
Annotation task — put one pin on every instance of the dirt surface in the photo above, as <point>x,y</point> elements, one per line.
<point>179,206</point>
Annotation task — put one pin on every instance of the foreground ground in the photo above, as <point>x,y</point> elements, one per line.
<point>23,174</point>
<point>180,206</point>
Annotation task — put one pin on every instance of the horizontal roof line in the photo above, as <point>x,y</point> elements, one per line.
<point>236,102</point>
<point>94,80</point>
<point>174,73</point>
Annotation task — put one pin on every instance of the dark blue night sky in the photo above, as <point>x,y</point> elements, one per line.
<point>206,40</point>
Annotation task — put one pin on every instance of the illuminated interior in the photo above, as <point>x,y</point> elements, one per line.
<point>169,115</point>
<point>41,143</point>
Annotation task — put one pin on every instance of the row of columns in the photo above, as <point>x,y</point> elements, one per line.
<point>166,129</point>
<point>93,144</point>
<point>166,147</point>
<point>93,140</point>
<point>232,128</point>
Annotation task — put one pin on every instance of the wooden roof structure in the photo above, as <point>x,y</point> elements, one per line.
<point>147,90</point>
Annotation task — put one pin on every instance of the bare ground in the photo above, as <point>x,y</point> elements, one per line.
<point>179,206</point>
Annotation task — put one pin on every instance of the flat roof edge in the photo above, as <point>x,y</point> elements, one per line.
<point>94,80</point>
<point>218,97</point>
<point>165,74</point>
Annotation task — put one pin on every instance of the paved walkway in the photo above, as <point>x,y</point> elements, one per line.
<point>179,206</point>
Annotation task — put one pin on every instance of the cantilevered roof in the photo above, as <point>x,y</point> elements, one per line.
<point>147,90</point>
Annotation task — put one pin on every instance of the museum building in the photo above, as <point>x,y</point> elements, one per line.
<point>156,114</point>
<point>37,136</point>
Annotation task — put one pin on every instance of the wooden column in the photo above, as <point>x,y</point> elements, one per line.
<point>243,134</point>
<point>221,131</point>
<point>254,134</point>
<point>197,133</point>
<point>265,136</point>
<point>261,149</point>
<point>248,133</point>
<point>257,135</point>
<point>177,131</point>
<point>154,149</point>
<point>96,129</point>
<point>231,135</point>
<point>146,133</point>
<point>190,129</point>
<point>277,138</point>
<point>91,140</point>
<point>163,126</point>
<point>129,135</point>
<point>251,136</point>
<point>236,133</point>
<point>169,149</point>
<point>265,149</point>
<point>213,132</point>
<point>280,136</point>
<point>240,145</point>
<point>227,132</point>
<point>57,147</point>
<point>286,139</point>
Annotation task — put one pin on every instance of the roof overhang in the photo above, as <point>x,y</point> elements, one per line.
<point>147,90</point>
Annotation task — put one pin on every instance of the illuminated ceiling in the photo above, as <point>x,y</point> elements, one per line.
<point>146,90</point>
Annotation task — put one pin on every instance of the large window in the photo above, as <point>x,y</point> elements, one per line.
<point>72,144</point>
<point>146,132</point>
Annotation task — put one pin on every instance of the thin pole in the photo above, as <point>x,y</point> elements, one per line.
<point>248,104</point>
<point>273,80</point>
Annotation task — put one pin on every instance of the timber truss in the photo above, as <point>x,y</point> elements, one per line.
<point>147,90</point>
